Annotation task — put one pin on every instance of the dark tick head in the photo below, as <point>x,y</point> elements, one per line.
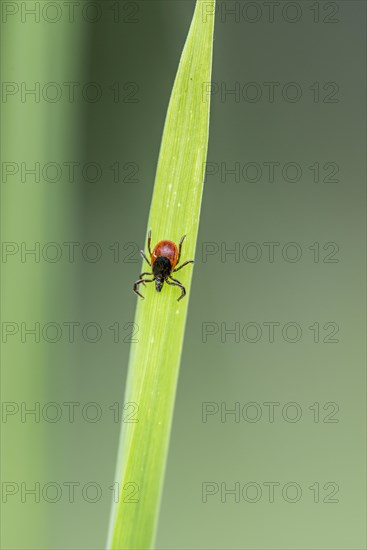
<point>159,284</point>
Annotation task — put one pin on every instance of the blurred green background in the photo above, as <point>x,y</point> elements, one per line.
<point>101,75</point>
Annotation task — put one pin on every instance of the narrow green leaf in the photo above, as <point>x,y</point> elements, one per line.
<point>160,318</point>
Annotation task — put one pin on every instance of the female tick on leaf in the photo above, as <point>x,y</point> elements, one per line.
<point>163,261</point>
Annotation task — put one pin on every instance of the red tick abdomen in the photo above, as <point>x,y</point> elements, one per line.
<point>168,249</point>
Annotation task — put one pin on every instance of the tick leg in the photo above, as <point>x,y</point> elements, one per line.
<point>177,283</point>
<point>142,274</point>
<point>138,282</point>
<point>145,258</point>
<point>179,247</point>
<point>183,265</point>
<point>149,238</point>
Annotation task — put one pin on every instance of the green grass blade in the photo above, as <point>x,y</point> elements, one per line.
<point>155,359</point>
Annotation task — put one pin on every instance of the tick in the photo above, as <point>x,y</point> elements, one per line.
<point>163,261</point>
